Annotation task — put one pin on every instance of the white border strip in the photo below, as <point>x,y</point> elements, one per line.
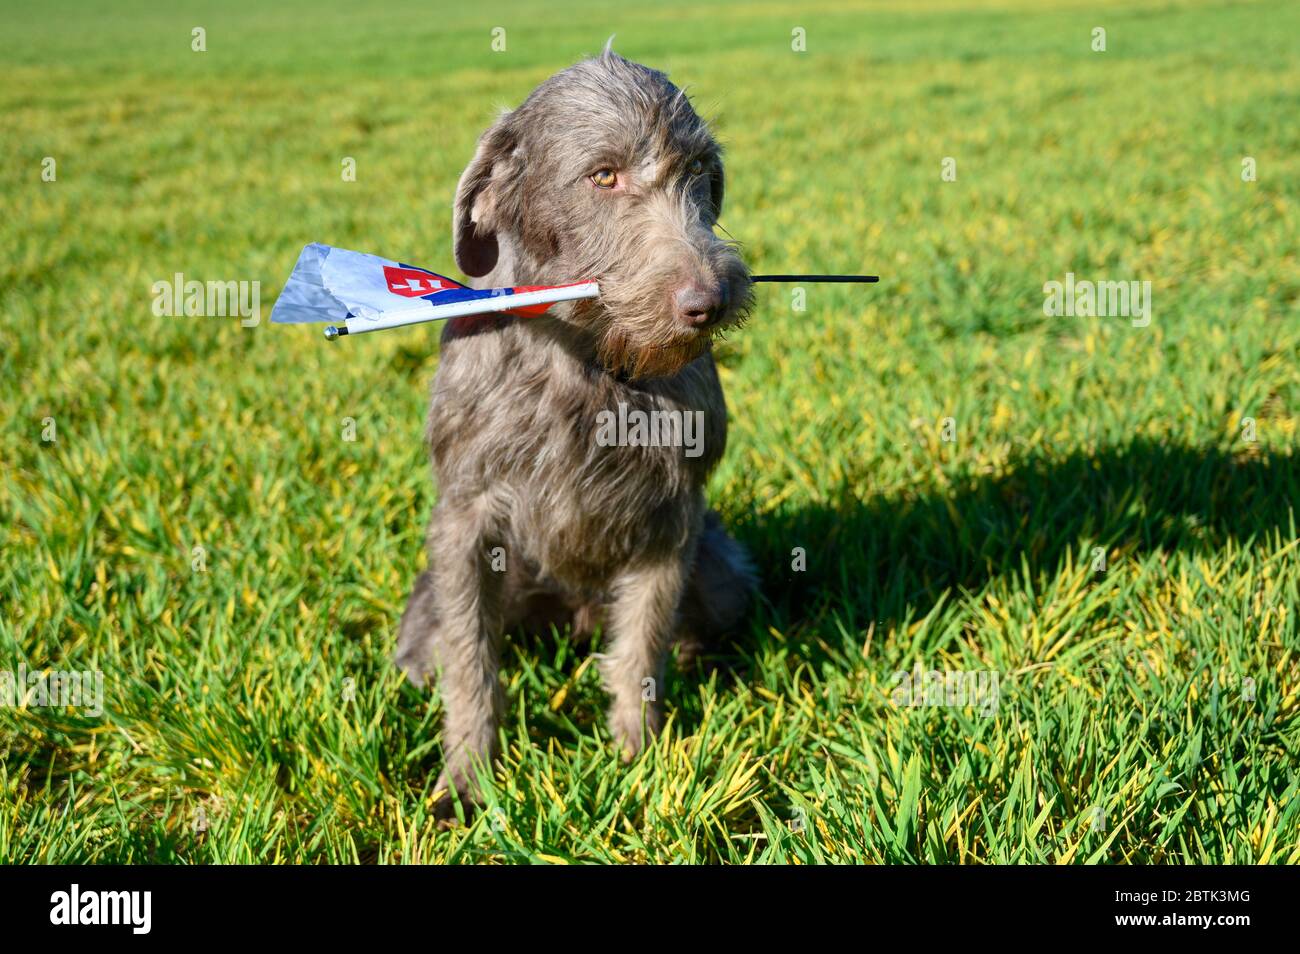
<point>427,312</point>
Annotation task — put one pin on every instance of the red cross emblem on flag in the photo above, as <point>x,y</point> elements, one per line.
<point>414,282</point>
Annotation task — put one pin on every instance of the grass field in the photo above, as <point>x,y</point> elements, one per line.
<point>1147,712</point>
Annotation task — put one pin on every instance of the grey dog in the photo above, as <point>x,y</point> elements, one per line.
<point>604,173</point>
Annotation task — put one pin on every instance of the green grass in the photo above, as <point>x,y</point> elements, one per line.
<point>258,695</point>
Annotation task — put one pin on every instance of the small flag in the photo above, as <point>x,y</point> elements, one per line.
<point>360,293</point>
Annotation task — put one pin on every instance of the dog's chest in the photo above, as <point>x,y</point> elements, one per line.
<point>590,473</point>
<point>611,483</point>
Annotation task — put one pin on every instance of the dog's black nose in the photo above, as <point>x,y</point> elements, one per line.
<point>700,305</point>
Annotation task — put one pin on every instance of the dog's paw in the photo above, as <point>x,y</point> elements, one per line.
<point>415,659</point>
<point>450,792</point>
<point>633,728</point>
<point>417,634</point>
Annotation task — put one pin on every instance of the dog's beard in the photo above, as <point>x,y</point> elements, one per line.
<point>621,354</point>
<point>637,337</point>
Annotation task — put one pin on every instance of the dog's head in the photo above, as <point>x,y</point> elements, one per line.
<point>607,173</point>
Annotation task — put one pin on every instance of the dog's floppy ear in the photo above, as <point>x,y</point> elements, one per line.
<point>483,200</point>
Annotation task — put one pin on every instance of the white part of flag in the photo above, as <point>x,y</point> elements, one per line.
<point>429,312</point>
<point>363,293</point>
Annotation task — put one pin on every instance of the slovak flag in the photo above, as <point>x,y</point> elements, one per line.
<point>359,293</point>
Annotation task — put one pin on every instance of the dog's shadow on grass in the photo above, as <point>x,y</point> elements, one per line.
<point>890,558</point>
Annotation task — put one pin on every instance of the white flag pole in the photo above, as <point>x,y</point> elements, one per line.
<point>428,312</point>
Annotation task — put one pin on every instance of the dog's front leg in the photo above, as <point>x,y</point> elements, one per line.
<point>467,644</point>
<point>641,622</point>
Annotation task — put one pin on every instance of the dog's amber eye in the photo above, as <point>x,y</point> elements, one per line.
<point>697,167</point>
<point>605,179</point>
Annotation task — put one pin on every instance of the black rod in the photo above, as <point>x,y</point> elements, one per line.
<point>857,279</point>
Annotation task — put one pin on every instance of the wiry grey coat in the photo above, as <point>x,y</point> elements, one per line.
<point>605,172</point>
